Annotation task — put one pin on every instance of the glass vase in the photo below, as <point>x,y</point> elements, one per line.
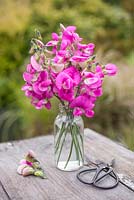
<point>68,141</point>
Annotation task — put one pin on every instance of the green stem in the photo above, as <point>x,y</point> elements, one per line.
<point>75,144</point>
<point>79,133</point>
<point>59,137</point>
<point>62,144</point>
<point>70,153</point>
<point>76,129</point>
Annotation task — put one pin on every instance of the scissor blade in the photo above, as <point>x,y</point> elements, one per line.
<point>126,181</point>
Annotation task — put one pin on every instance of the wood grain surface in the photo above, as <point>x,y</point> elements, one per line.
<point>61,185</point>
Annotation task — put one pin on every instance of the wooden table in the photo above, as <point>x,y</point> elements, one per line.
<point>62,185</point>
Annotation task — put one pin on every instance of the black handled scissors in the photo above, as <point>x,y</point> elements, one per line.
<point>101,171</point>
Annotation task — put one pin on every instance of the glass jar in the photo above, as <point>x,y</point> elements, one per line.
<point>68,140</point>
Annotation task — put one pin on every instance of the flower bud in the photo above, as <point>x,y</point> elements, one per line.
<point>31,154</point>
<point>62,27</point>
<point>21,168</point>
<point>111,69</point>
<point>27,171</point>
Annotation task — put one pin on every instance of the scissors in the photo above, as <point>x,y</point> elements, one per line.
<point>101,172</point>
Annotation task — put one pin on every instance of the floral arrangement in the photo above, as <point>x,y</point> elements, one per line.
<point>67,69</point>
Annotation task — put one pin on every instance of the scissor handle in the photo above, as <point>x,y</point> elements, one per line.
<point>107,171</point>
<point>81,173</point>
<point>113,174</point>
<point>96,179</point>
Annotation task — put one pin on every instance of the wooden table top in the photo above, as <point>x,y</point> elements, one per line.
<point>62,185</point>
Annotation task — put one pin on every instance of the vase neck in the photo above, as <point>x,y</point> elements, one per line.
<point>65,110</point>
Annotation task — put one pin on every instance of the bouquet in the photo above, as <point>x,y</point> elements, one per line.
<point>67,69</point>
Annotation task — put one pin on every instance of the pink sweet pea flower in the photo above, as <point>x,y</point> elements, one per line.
<point>92,80</point>
<point>68,78</point>
<point>43,84</point>
<point>39,104</point>
<point>111,69</point>
<point>38,88</point>
<point>86,49</point>
<point>66,81</point>
<point>82,105</point>
<point>70,36</point>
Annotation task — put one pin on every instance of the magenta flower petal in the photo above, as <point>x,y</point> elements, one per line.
<point>35,65</point>
<point>74,74</point>
<point>91,46</point>
<point>26,87</point>
<point>43,86</point>
<point>36,88</point>
<point>82,105</point>
<point>39,105</point>
<point>89,113</point>
<point>61,80</point>
<point>30,69</point>
<point>81,102</point>
<point>82,46</point>
<point>43,76</point>
<point>64,44</point>
<point>71,28</point>
<point>99,71</point>
<point>28,93</point>
<point>27,77</point>
<point>48,105</point>
<point>98,92</point>
<point>78,59</point>
<point>52,43</point>
<point>67,95</point>
<point>55,36</point>
<point>111,69</point>
<point>92,80</point>
<point>77,112</point>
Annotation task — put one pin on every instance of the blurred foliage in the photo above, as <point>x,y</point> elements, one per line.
<point>109,24</point>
